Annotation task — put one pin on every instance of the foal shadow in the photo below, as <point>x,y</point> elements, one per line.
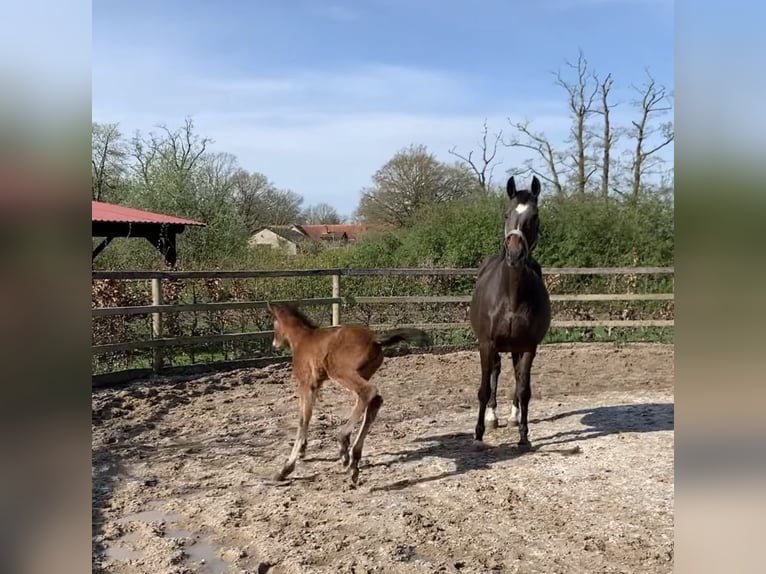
<point>466,456</point>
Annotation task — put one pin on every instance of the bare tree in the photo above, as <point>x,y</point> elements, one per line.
<point>107,157</point>
<point>608,134</point>
<point>175,152</point>
<point>321,213</point>
<point>260,203</point>
<point>581,97</point>
<point>654,101</point>
<point>486,167</point>
<point>540,144</point>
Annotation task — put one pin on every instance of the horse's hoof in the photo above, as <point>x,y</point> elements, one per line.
<point>492,423</point>
<point>354,475</point>
<point>524,445</point>
<point>479,445</point>
<point>513,423</point>
<point>279,476</point>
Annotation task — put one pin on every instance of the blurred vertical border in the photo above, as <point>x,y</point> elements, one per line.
<point>720,286</point>
<point>44,178</point>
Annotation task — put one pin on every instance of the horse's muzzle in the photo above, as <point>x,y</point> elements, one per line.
<point>515,249</point>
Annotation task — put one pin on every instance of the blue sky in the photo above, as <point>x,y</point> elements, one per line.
<point>319,94</point>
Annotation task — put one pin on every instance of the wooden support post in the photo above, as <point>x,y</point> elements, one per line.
<point>157,323</point>
<point>336,306</point>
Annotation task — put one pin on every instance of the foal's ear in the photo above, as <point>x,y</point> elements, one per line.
<point>269,307</point>
<point>535,189</point>
<point>510,188</point>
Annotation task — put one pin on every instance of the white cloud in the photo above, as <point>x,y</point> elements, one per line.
<point>321,133</point>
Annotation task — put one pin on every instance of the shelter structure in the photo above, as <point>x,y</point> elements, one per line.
<point>111,221</point>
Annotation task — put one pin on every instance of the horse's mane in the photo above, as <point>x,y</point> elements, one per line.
<point>298,315</point>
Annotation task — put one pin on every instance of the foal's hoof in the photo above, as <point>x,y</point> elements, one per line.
<point>513,422</point>
<point>479,445</point>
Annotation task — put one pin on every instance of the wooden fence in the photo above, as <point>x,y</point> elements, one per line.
<point>157,309</point>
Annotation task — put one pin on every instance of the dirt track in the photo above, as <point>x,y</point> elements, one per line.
<point>179,472</point>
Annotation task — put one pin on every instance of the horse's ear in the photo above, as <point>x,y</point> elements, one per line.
<point>510,188</point>
<point>269,307</point>
<point>535,189</point>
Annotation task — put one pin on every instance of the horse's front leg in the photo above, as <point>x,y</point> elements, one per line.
<point>485,390</point>
<point>515,403</point>
<point>491,416</point>
<point>306,396</point>
<point>523,394</point>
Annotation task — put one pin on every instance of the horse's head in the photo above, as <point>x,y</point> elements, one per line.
<point>277,314</point>
<point>521,222</point>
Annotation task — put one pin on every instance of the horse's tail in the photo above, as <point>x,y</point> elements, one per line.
<point>421,338</point>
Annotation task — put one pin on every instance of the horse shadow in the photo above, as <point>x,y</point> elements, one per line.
<point>466,456</point>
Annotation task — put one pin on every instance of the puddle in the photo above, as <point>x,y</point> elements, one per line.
<point>197,552</point>
<point>122,553</point>
<point>201,556</point>
<point>149,516</point>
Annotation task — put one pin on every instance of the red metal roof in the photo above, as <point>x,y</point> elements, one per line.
<point>101,211</point>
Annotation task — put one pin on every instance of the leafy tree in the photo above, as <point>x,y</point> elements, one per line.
<point>409,181</point>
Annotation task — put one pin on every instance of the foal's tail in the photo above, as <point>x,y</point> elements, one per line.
<point>421,338</point>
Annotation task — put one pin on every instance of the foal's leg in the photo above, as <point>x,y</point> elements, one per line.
<point>306,397</point>
<point>486,354</point>
<point>523,394</point>
<point>491,417</point>
<point>356,451</point>
<point>515,403</point>
<point>366,371</point>
<point>344,436</point>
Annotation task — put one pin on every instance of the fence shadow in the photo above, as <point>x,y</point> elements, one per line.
<point>466,456</point>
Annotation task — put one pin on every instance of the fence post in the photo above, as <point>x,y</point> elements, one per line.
<point>157,323</point>
<point>336,306</point>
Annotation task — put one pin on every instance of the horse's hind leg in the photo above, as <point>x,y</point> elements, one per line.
<point>523,394</point>
<point>344,436</point>
<point>491,415</point>
<point>305,409</point>
<point>356,451</point>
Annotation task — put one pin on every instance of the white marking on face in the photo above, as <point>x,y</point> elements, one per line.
<point>490,415</point>
<point>521,208</point>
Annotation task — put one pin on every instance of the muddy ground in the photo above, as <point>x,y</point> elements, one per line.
<point>181,472</point>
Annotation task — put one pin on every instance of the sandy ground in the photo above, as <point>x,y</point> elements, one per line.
<point>180,472</point>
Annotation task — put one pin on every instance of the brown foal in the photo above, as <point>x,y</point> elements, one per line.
<point>348,355</point>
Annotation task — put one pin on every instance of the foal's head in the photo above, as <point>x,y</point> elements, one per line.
<point>286,320</point>
<point>522,225</point>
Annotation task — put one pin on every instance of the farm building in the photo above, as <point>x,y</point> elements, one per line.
<point>283,237</point>
<point>111,221</point>
<point>290,237</point>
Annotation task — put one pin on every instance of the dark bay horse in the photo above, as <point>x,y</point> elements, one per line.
<point>348,355</point>
<point>510,310</point>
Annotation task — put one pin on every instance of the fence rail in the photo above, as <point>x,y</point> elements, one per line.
<point>356,272</point>
<point>158,309</point>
